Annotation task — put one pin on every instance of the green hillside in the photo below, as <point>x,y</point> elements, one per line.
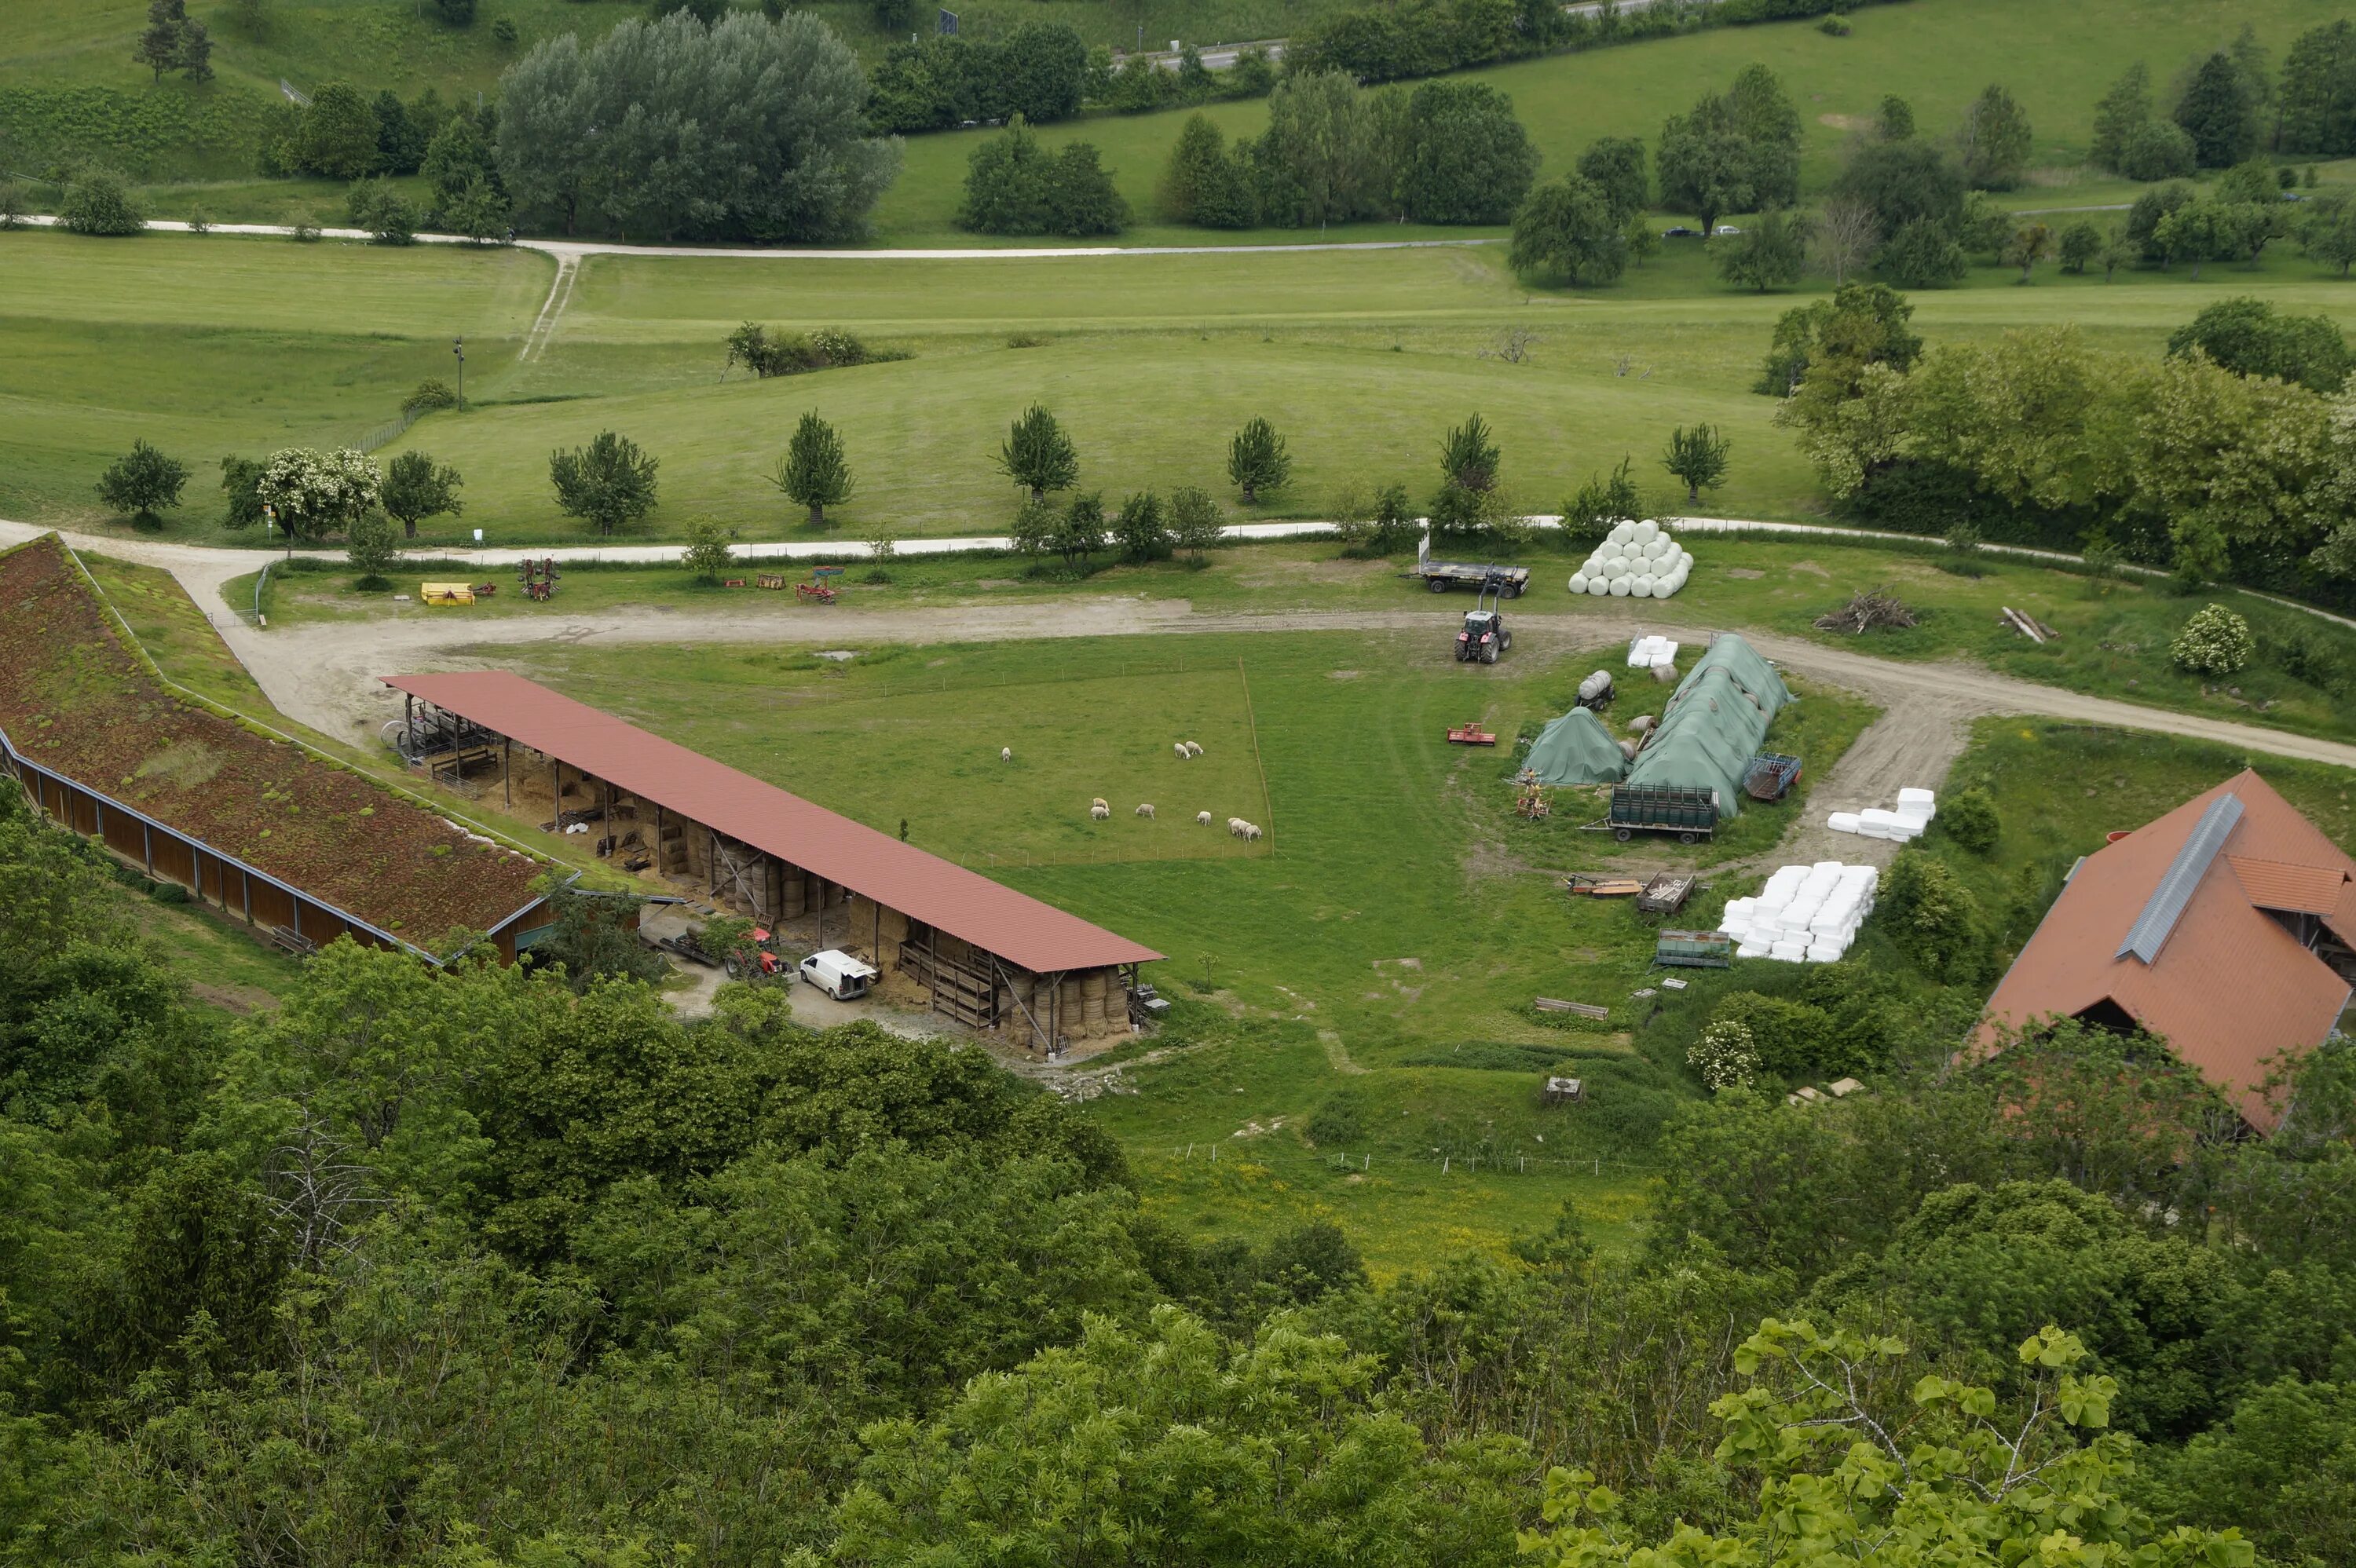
<point>68,84</point>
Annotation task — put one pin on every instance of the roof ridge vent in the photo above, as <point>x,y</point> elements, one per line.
<point>2160,913</point>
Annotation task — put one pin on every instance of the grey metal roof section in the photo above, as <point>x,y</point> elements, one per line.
<point>2166,906</point>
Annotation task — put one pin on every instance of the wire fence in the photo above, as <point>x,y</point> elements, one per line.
<point>391,431</point>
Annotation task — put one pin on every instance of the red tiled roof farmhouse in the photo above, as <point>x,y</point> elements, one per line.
<point>966,904</point>
<point>2203,927</point>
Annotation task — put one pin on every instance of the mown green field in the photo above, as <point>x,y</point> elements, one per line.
<point>212,344</point>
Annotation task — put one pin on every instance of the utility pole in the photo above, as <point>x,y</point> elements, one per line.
<point>458,346</point>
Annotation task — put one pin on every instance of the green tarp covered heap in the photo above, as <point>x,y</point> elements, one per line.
<point>1712,727</point>
<point>1576,749</point>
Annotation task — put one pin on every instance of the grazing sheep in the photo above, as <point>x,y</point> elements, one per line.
<point>1100,811</point>
<point>1146,810</point>
<point>1099,804</point>
<point>1193,750</point>
<point>1251,831</point>
<point>1005,753</point>
<point>1179,747</point>
<point>1236,825</point>
<point>1203,819</point>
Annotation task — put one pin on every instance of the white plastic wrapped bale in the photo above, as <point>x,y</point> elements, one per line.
<point>1641,586</point>
<point>1842,822</point>
<point>1791,950</point>
<point>1598,586</point>
<point>1924,798</point>
<point>1826,952</point>
<point>1579,582</point>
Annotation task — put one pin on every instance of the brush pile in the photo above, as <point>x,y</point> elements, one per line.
<point>1877,609</point>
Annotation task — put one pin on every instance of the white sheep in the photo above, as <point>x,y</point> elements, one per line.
<point>1251,831</point>
<point>1100,811</point>
<point>1193,750</point>
<point>1203,819</point>
<point>1179,747</point>
<point>1236,825</point>
<point>1146,810</point>
<point>1099,804</point>
<point>1005,753</point>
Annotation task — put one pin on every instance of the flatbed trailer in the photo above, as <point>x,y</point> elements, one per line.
<point>1439,576</point>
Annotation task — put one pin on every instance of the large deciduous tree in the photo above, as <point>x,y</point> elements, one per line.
<point>1733,151</point>
<point>312,493</point>
<point>1994,140</point>
<point>1770,253</point>
<point>1322,157</point>
<point>1463,159</point>
<point>750,129</point>
<point>609,483</point>
<point>1570,229</point>
<point>142,481</point>
<point>1617,166</point>
<point>417,487</point>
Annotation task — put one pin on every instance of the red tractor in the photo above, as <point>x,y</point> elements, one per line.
<point>1484,635</point>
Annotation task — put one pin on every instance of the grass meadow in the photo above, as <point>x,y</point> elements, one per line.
<point>213,345</point>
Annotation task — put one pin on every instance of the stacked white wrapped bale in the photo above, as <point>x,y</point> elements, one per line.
<point>1805,913</point>
<point>1915,809</point>
<point>1635,561</point>
<point>1651,652</point>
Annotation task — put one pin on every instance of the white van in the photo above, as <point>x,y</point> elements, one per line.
<point>838,973</point>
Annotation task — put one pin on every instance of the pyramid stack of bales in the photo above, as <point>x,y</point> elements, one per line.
<point>1804,914</point>
<point>1635,561</point>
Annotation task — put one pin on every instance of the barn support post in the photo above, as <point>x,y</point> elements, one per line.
<point>245,883</point>
<point>556,794</point>
<point>507,771</point>
<point>148,849</point>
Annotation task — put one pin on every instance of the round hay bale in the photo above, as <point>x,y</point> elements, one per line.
<point>1622,533</point>
<point>1622,586</point>
<point>1597,587</point>
<point>1617,568</point>
<point>1639,588</point>
<point>1628,750</point>
<point>1644,533</point>
<point>1642,724</point>
<point>1579,582</point>
<point>1666,673</point>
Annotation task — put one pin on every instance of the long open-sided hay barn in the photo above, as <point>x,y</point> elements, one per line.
<point>297,846</point>
<point>977,950</point>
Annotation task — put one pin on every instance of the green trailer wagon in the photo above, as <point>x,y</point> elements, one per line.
<point>1690,814</point>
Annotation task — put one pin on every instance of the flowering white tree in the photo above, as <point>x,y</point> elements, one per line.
<point>312,493</point>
